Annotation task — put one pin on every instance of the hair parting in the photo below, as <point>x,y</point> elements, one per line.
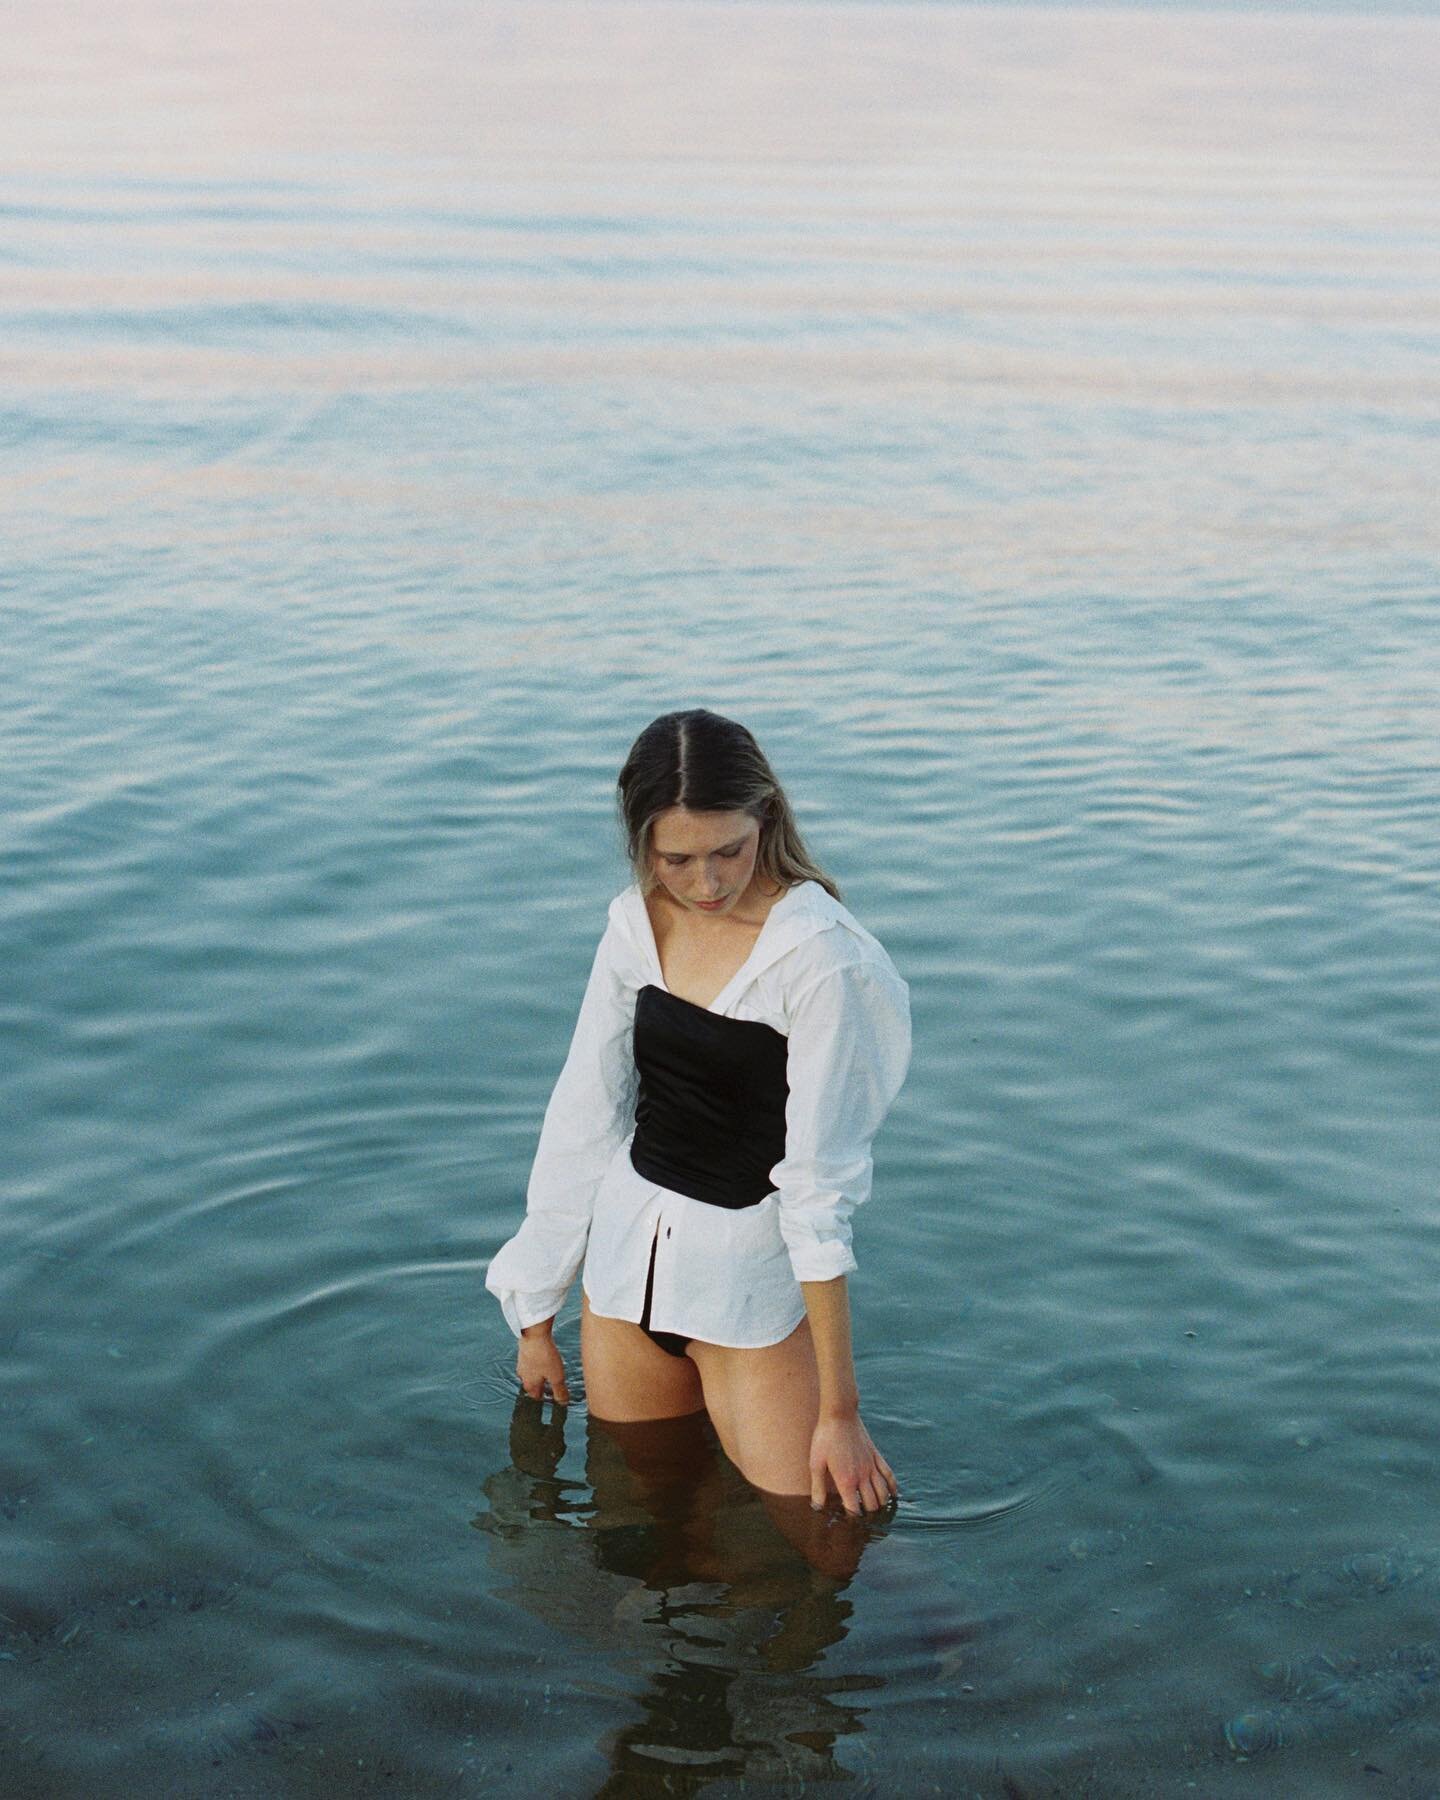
<point>706,763</point>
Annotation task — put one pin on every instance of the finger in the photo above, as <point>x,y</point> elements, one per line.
<point>888,1473</point>
<point>535,1389</point>
<point>560,1392</point>
<point>817,1485</point>
<point>854,1505</point>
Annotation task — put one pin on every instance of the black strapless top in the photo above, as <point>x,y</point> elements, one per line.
<point>710,1112</point>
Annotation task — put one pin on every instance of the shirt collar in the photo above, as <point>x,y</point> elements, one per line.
<point>798,914</point>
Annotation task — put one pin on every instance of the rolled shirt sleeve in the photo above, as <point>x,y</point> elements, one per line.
<point>849,1051</point>
<point>590,1114</point>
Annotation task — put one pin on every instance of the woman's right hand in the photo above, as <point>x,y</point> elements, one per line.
<point>539,1364</point>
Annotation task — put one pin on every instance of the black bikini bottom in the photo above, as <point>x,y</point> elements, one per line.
<point>670,1342</point>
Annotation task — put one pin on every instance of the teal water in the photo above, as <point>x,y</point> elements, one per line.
<point>1027,422</point>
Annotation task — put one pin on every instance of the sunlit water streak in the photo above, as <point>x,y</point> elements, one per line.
<point>1027,421</point>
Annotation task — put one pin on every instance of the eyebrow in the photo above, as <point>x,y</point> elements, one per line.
<point>734,844</point>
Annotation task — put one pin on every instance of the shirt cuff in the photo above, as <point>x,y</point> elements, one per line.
<point>521,1310</point>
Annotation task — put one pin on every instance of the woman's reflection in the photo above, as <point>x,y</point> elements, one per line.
<point>721,1598</point>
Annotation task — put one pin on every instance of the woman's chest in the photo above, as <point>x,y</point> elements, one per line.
<point>698,962</point>
<point>700,971</point>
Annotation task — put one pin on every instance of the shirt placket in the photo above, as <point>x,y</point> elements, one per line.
<point>659,1263</point>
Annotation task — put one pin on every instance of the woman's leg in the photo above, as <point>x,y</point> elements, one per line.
<point>764,1405</point>
<point>629,1378</point>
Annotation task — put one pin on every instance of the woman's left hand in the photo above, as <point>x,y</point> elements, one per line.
<point>843,1457</point>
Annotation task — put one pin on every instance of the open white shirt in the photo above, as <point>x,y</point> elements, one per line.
<point>726,1277</point>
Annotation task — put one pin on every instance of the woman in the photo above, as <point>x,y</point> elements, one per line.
<point>741,1039</point>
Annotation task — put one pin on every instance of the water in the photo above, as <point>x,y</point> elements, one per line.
<point>1026,421</point>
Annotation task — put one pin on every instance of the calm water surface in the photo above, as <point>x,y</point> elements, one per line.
<point>1027,421</point>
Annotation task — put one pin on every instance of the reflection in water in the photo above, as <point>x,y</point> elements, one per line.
<point>719,1599</point>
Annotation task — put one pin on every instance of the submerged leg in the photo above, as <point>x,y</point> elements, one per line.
<point>655,1485</point>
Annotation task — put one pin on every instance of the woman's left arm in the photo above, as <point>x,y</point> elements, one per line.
<point>849,1050</point>
<point>842,1455</point>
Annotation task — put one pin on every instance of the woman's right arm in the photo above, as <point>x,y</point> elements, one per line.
<point>588,1118</point>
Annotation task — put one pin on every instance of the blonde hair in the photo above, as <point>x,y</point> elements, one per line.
<point>706,763</point>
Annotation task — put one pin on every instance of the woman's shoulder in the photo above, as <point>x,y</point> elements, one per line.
<point>831,939</point>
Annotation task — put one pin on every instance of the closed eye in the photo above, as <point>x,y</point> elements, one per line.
<point>729,855</point>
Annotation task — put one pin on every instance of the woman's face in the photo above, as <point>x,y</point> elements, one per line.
<point>704,860</point>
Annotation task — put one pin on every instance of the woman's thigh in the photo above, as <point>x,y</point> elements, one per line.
<point>630,1378</point>
<point>764,1405</point>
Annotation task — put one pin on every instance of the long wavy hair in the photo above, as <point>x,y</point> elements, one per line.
<point>706,763</point>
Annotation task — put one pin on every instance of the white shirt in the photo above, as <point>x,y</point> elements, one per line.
<point>726,1277</point>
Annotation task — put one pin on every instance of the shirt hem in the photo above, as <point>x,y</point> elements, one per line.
<point>696,1337</point>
